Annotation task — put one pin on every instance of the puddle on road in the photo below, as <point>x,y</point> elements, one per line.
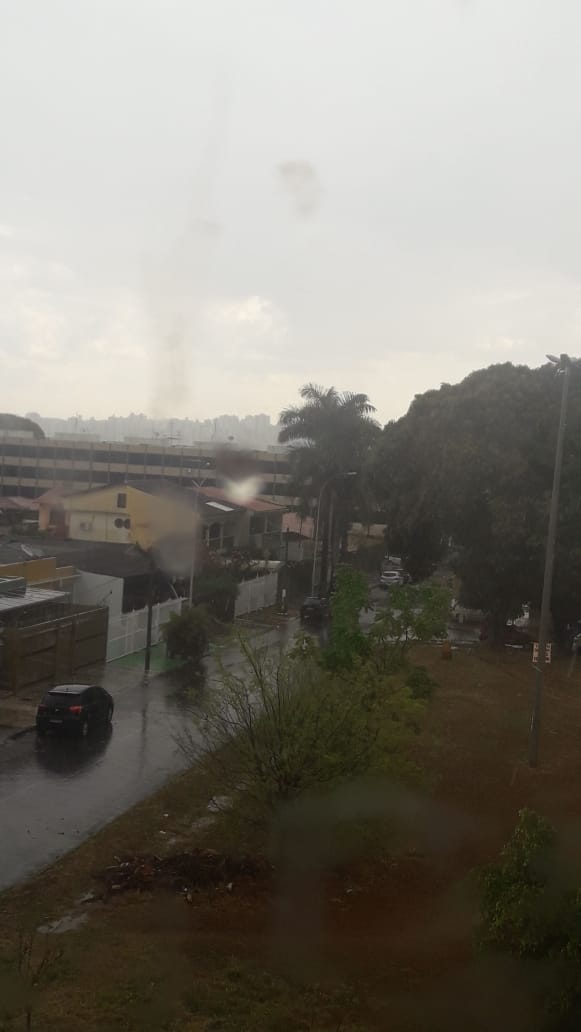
<point>68,923</point>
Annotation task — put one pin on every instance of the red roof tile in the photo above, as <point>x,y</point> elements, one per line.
<point>253,504</point>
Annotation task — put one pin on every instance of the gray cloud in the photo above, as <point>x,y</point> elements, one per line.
<point>428,152</point>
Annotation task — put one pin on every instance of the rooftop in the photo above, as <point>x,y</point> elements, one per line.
<point>115,560</point>
<point>17,504</point>
<point>32,596</point>
<point>19,552</point>
<point>219,495</point>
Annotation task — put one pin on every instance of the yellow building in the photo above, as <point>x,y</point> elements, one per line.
<point>126,514</point>
<point>154,514</point>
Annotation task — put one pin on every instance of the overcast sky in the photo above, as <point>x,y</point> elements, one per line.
<point>206,203</point>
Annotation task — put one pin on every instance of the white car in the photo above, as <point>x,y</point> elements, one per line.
<point>391,579</point>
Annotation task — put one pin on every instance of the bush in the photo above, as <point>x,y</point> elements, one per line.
<point>416,612</point>
<point>217,590</point>
<point>186,634</point>
<point>347,642</point>
<point>531,910</point>
<point>284,727</point>
<point>420,683</point>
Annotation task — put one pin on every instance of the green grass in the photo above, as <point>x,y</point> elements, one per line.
<point>160,662</point>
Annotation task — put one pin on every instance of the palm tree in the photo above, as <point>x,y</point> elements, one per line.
<point>332,434</point>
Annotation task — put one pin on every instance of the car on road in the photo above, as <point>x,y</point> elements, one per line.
<point>314,609</point>
<point>392,579</point>
<point>74,707</point>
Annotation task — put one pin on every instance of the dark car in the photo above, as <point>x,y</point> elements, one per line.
<point>74,707</point>
<point>314,609</point>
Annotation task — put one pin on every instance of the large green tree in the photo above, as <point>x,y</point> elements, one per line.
<point>20,424</point>
<point>332,433</point>
<point>472,464</point>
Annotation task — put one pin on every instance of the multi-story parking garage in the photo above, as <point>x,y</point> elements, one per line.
<point>29,467</point>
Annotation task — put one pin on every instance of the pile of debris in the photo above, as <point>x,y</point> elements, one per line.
<point>184,872</point>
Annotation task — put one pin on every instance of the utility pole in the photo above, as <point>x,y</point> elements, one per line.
<point>563,365</point>
<point>147,658</point>
<point>285,579</point>
<point>198,485</point>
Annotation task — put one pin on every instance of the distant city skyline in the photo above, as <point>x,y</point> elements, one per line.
<point>256,430</point>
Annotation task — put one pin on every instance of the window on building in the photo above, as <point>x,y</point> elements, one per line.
<point>214,536</point>
<point>122,500</point>
<point>122,523</point>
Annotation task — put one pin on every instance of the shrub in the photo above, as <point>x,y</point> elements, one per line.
<point>347,642</point>
<point>186,634</point>
<point>216,588</point>
<point>285,726</point>
<point>531,910</point>
<point>420,683</point>
<point>416,612</point>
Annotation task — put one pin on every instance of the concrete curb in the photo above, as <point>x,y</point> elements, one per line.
<point>20,732</point>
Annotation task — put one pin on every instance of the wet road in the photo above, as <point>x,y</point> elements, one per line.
<point>55,792</point>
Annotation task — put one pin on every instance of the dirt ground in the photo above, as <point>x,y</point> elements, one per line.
<point>372,929</point>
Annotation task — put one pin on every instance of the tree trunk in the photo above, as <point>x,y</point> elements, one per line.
<point>333,524</point>
<point>497,625</point>
<point>343,531</point>
<point>324,553</point>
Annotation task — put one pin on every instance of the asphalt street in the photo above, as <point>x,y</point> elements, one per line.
<point>55,792</point>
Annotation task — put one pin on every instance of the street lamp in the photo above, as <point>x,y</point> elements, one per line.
<point>198,486</point>
<point>563,366</point>
<point>336,476</point>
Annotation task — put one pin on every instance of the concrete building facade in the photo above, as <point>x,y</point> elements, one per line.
<point>29,467</point>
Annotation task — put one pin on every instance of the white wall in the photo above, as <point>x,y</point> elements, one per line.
<point>300,549</point>
<point>256,594</point>
<point>95,589</point>
<point>128,633</point>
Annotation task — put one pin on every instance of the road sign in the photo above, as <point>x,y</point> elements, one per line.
<point>548,649</point>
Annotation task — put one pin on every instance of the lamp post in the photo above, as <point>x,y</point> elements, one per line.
<point>198,486</point>
<point>336,476</point>
<point>563,366</point>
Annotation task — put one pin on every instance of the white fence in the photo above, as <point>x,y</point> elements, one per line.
<point>128,632</point>
<point>256,594</point>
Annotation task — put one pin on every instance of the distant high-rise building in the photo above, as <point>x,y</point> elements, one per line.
<point>255,431</point>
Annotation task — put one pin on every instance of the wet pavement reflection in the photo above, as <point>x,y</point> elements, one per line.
<point>56,791</point>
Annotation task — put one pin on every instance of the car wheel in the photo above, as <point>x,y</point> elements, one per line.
<point>84,730</point>
<point>109,715</point>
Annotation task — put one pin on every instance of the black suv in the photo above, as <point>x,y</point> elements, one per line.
<point>314,609</point>
<point>74,707</point>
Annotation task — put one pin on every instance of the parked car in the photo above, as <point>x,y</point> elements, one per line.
<point>314,609</point>
<point>391,562</point>
<point>74,707</point>
<point>392,579</point>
